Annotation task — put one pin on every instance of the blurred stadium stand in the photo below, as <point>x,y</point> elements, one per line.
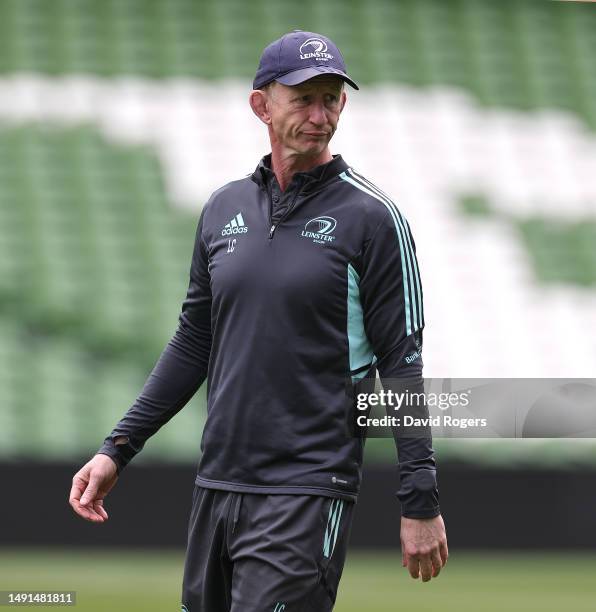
<point>524,508</point>
<point>478,117</point>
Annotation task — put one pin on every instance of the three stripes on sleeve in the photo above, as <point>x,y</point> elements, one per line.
<point>414,313</point>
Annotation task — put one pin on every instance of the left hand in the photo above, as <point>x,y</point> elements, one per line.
<point>423,546</point>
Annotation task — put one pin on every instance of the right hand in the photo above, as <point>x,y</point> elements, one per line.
<point>90,485</point>
<point>424,546</point>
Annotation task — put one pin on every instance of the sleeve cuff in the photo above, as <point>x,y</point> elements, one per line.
<point>419,494</point>
<point>121,454</point>
<point>421,514</point>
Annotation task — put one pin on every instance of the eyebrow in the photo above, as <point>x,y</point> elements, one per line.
<point>302,89</point>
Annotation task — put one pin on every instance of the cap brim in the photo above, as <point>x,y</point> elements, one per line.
<point>299,76</point>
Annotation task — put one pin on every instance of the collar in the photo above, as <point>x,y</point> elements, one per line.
<point>311,180</point>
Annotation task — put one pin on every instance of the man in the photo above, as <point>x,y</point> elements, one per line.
<point>303,277</point>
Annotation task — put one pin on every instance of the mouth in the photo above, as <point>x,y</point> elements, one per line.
<point>316,134</point>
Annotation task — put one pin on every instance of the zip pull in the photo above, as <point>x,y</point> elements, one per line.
<point>272,230</point>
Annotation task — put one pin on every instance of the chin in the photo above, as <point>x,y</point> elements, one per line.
<point>314,149</point>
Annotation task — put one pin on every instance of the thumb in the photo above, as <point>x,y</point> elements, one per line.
<point>404,556</point>
<point>90,492</point>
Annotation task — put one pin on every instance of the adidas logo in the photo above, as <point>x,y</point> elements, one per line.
<point>235,226</point>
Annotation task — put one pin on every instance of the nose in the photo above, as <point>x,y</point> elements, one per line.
<point>317,114</point>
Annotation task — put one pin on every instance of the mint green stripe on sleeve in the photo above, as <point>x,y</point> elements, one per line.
<point>403,228</point>
<point>405,275</point>
<point>359,347</point>
<point>418,284</point>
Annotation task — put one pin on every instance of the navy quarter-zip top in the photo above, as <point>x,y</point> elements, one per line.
<point>293,296</point>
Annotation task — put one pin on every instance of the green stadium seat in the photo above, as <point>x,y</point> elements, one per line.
<point>86,232</point>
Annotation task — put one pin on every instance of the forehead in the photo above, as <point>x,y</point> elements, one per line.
<point>322,81</point>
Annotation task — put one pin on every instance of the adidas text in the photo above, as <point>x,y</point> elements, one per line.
<point>228,231</point>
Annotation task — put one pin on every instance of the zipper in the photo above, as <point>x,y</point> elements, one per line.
<point>290,208</point>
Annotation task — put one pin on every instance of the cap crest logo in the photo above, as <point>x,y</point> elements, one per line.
<point>314,47</point>
<point>318,45</point>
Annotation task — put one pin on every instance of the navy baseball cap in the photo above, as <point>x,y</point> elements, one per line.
<point>299,56</point>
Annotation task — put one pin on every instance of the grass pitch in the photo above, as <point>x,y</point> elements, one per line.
<point>149,581</point>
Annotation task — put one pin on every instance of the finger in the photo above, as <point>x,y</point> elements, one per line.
<point>98,507</point>
<point>88,514</point>
<point>444,552</point>
<point>404,557</point>
<point>413,566</point>
<point>436,562</point>
<point>78,486</point>
<point>90,492</point>
<point>426,567</point>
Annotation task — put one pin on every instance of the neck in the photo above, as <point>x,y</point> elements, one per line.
<point>285,165</point>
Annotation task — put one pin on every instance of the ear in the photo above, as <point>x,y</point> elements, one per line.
<point>259,103</point>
